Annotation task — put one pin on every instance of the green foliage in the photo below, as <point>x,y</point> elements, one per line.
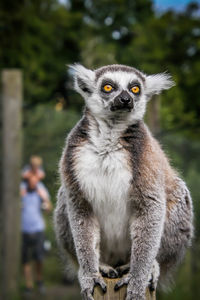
<point>39,37</point>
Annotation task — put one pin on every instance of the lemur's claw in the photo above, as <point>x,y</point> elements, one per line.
<point>122,270</point>
<point>152,287</point>
<point>88,283</point>
<point>121,282</point>
<point>101,283</point>
<point>86,295</point>
<point>154,275</point>
<point>112,274</point>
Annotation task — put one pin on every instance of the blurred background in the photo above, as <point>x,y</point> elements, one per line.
<point>40,38</point>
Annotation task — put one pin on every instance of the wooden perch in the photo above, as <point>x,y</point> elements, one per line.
<point>119,295</point>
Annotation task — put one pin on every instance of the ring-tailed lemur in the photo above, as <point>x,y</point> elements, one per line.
<point>121,208</point>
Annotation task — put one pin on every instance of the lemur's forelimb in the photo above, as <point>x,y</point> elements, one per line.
<point>85,231</point>
<point>146,230</point>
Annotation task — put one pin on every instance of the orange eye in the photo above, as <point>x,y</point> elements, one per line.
<point>107,88</point>
<point>135,89</point>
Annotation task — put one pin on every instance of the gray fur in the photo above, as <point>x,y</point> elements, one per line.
<point>121,208</point>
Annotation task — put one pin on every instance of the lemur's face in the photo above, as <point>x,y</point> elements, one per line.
<point>118,91</point>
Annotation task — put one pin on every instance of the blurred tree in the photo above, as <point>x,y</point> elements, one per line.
<point>108,24</point>
<point>40,37</point>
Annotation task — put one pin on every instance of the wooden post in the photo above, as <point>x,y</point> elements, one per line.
<point>119,295</point>
<point>11,162</point>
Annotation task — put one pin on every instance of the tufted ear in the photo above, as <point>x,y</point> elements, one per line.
<point>158,82</point>
<point>83,79</point>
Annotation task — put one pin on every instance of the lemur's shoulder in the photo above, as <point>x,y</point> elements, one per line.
<point>140,143</point>
<point>79,133</point>
<point>146,157</point>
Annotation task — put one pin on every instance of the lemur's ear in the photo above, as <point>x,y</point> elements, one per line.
<point>83,79</point>
<point>158,82</point>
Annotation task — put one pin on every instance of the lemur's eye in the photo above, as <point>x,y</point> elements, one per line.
<point>135,89</point>
<point>107,88</point>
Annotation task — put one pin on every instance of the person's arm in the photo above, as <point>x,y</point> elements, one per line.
<point>46,203</point>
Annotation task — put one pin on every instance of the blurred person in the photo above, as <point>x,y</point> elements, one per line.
<point>34,169</point>
<point>35,198</point>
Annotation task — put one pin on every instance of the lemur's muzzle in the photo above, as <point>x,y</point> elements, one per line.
<point>122,102</point>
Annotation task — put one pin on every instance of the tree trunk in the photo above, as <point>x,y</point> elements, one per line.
<point>11,162</point>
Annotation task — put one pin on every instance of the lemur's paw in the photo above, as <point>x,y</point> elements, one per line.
<point>135,291</point>
<point>99,281</point>
<point>87,295</point>
<point>88,283</point>
<point>107,271</point>
<point>122,270</point>
<point>153,279</point>
<point>124,281</point>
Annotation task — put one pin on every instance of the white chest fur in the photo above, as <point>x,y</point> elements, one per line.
<point>104,177</point>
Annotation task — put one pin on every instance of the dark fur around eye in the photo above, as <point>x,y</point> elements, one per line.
<point>109,82</point>
<point>134,83</point>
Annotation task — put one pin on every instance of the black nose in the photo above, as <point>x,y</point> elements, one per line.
<point>124,97</point>
<point>125,100</point>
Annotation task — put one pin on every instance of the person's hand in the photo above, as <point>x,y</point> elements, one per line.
<point>46,203</point>
<point>47,206</point>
